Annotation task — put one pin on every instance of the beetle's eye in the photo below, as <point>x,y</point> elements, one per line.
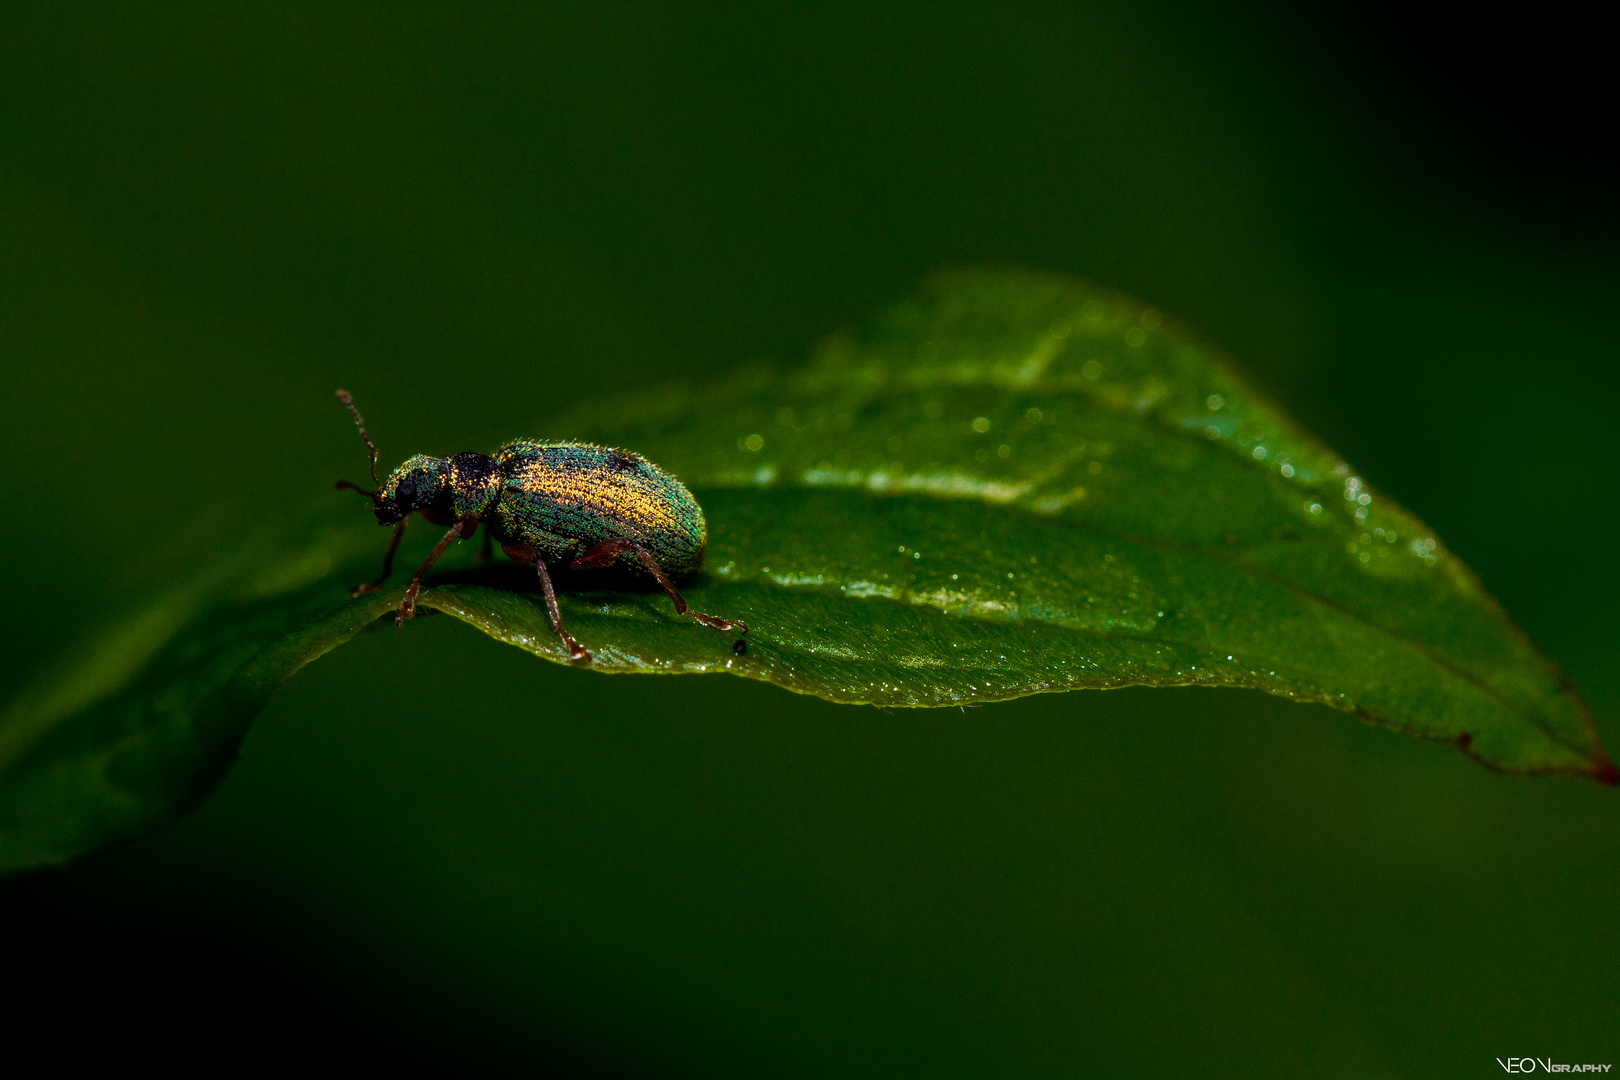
<point>405,492</point>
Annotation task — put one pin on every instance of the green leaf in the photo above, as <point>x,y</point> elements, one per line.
<point>1013,484</point>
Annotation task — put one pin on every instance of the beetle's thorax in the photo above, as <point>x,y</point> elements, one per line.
<point>475,481</point>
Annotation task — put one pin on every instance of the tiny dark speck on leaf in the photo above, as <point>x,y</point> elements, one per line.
<point>740,648</point>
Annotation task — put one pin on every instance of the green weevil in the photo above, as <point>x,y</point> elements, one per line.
<point>545,502</point>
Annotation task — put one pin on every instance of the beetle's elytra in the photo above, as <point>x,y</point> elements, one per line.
<point>545,502</point>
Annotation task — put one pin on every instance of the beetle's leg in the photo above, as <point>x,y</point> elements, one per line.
<point>485,552</point>
<point>460,530</point>
<point>609,551</point>
<point>606,553</point>
<point>576,651</point>
<point>388,561</point>
<point>525,554</point>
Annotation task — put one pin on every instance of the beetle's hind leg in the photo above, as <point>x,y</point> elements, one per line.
<point>525,554</point>
<point>388,561</point>
<point>610,551</point>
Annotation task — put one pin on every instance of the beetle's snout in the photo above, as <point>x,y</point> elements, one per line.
<point>387,510</point>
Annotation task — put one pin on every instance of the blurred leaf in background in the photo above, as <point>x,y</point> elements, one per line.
<point>474,216</point>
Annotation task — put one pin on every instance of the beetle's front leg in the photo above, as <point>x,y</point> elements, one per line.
<point>388,561</point>
<point>459,531</point>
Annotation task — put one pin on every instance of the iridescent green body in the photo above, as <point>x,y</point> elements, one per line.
<point>560,498</point>
<point>546,503</point>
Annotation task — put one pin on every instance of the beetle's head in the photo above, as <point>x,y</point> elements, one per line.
<point>415,485</point>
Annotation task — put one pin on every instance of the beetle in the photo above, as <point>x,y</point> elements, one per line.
<point>545,502</point>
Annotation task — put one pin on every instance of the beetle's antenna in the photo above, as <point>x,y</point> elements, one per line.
<point>343,396</point>
<point>372,495</point>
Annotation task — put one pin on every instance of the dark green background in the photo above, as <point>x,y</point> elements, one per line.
<point>438,847</point>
